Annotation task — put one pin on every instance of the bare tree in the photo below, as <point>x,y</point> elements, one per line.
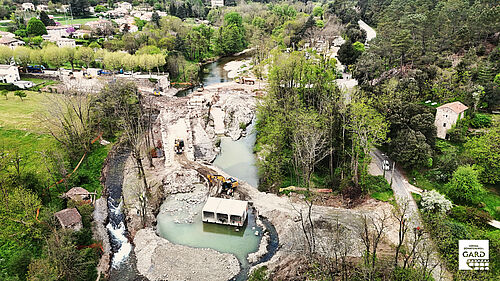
<point>310,144</point>
<point>68,119</point>
<point>307,226</point>
<point>401,215</point>
<point>373,230</point>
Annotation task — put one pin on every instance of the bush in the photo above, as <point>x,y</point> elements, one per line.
<point>9,87</point>
<point>470,215</point>
<point>434,202</point>
<point>376,183</point>
<point>18,264</point>
<point>480,121</point>
<point>464,186</point>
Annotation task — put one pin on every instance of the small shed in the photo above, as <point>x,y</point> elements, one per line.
<point>447,115</point>
<point>70,218</point>
<point>79,194</point>
<point>225,211</point>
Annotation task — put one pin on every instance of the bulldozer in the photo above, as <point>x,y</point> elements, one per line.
<point>229,185</point>
<point>179,146</point>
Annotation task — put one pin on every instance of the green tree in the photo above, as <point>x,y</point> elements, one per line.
<point>464,186</point>
<point>20,94</point>
<point>36,27</point>
<point>318,11</point>
<point>46,20</point>
<point>54,56</point>
<point>5,54</point>
<point>5,93</point>
<point>231,36</point>
<point>22,56</point>
<point>100,9</point>
<point>86,55</point>
<point>486,153</point>
<point>79,8</point>
<point>410,149</point>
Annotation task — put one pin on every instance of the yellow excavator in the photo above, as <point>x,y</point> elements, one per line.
<point>179,146</point>
<point>229,185</point>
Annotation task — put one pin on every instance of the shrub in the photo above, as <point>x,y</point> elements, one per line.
<point>480,121</point>
<point>470,215</point>
<point>434,202</point>
<point>376,183</point>
<point>18,264</point>
<point>464,186</point>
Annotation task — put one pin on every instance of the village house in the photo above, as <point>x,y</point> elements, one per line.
<point>98,24</point>
<point>70,218</point>
<point>447,115</point>
<point>66,42</point>
<point>217,3</point>
<point>41,8</point>
<point>11,42</point>
<point>28,7</point>
<point>58,31</point>
<point>125,5</point>
<point>81,33</point>
<point>9,73</point>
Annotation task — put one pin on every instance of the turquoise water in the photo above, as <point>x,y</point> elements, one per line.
<point>237,159</point>
<point>207,235</point>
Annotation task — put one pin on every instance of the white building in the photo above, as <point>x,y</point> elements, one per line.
<point>44,8</point>
<point>28,7</point>
<point>125,5</point>
<point>66,42</point>
<point>11,42</point>
<point>9,73</point>
<point>447,115</point>
<point>82,33</point>
<point>217,3</point>
<point>225,211</point>
<point>58,31</point>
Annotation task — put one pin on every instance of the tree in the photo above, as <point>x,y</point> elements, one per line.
<point>371,235</point>
<point>85,54</point>
<point>309,142</point>
<point>22,56</point>
<point>36,27</point>
<point>155,18</point>
<point>5,54</point>
<point>20,94</point>
<point>368,128</point>
<point>46,20</point>
<point>5,93</point>
<point>409,148</point>
<point>129,62</point>
<point>464,186</point>
<point>232,35</point>
<point>70,54</point>
<point>79,8</point>
<point>318,11</point>
<point>347,54</point>
<point>54,56</point>
<point>486,153</point>
<point>100,9</point>
<point>434,202</point>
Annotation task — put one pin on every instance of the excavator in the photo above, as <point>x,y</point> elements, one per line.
<point>229,185</point>
<point>179,146</point>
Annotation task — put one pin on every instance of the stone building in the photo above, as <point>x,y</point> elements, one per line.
<point>70,218</point>
<point>447,115</point>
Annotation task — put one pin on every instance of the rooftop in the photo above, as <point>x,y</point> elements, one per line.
<point>225,206</point>
<point>68,217</point>
<point>456,106</point>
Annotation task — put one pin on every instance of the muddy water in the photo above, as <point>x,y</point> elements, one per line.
<point>237,158</point>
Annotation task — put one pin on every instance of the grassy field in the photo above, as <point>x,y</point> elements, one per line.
<point>23,115</point>
<point>63,21</point>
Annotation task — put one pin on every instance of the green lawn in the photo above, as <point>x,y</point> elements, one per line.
<point>63,21</point>
<point>23,115</point>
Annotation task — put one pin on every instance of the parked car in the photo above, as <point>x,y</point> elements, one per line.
<point>35,68</point>
<point>103,72</point>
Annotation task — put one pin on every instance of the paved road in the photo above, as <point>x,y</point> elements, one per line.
<point>400,187</point>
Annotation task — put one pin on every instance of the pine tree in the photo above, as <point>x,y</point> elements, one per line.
<point>46,20</point>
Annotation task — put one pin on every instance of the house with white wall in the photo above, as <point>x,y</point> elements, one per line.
<point>28,7</point>
<point>9,73</point>
<point>11,42</point>
<point>447,115</point>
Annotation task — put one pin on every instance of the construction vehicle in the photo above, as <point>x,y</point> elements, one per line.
<point>179,146</point>
<point>229,185</point>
